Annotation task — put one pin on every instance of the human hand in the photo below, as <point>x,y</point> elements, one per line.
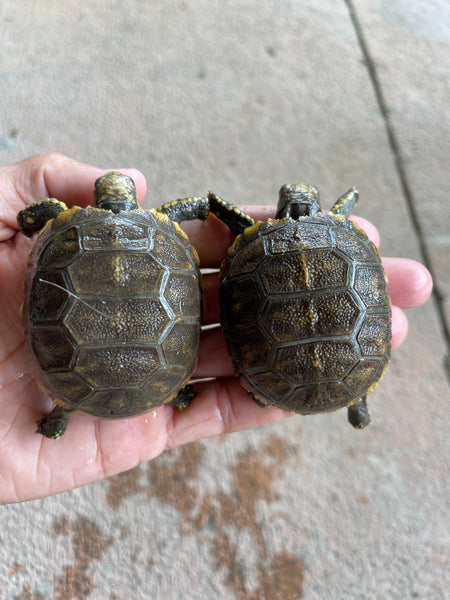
<point>32,466</point>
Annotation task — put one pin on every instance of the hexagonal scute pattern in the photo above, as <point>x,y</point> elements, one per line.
<point>370,284</point>
<point>122,366</point>
<point>374,337</point>
<point>181,344</point>
<point>322,315</point>
<point>315,362</point>
<point>303,271</point>
<point>115,273</point>
<point>117,321</point>
<point>113,320</point>
<point>182,294</point>
<point>306,308</point>
<point>169,251</point>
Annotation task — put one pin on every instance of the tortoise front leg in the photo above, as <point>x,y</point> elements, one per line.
<point>33,218</point>
<point>230,214</point>
<point>54,425</point>
<point>186,209</point>
<point>345,203</point>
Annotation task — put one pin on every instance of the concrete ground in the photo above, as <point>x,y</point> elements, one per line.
<point>243,96</point>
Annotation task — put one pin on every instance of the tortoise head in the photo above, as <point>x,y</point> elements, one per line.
<point>116,192</point>
<point>298,200</point>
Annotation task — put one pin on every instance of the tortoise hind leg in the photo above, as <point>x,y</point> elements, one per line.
<point>54,424</point>
<point>345,203</point>
<point>182,399</point>
<point>358,414</point>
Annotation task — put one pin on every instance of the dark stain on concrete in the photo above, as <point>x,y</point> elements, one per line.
<point>27,594</point>
<point>123,485</point>
<point>15,568</point>
<point>282,580</point>
<point>254,478</point>
<point>89,544</point>
<point>172,479</point>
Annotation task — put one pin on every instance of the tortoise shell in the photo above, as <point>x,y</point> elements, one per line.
<point>112,310</point>
<point>305,309</point>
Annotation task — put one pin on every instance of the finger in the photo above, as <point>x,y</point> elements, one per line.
<point>211,302</point>
<point>219,407</point>
<point>213,357</point>
<point>50,175</point>
<point>409,282</point>
<point>212,237</point>
<point>399,327</point>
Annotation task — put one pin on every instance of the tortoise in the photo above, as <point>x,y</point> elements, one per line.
<point>112,306</point>
<point>304,305</point>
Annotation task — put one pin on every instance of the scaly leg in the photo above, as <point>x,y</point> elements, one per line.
<point>33,218</point>
<point>186,209</point>
<point>231,215</point>
<point>345,203</point>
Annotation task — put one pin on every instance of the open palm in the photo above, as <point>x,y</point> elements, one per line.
<point>32,466</point>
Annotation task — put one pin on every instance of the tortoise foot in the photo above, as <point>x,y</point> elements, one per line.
<point>54,424</point>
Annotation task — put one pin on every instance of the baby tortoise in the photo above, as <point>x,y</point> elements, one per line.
<point>304,305</point>
<point>112,305</point>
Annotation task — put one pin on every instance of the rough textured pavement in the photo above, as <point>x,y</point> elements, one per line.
<point>241,97</point>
